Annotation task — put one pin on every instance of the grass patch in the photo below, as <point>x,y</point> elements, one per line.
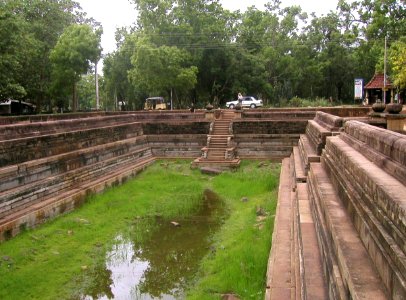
<point>238,262</point>
<point>50,262</point>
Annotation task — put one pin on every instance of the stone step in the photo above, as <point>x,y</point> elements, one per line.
<point>221,163</point>
<point>307,152</point>
<point>218,145</point>
<point>390,165</point>
<point>219,156</point>
<point>17,151</point>
<point>221,129</point>
<point>312,276</point>
<point>219,140</point>
<point>31,171</point>
<point>300,174</point>
<point>28,194</point>
<point>216,152</point>
<point>66,200</point>
<point>281,278</point>
<point>15,131</point>
<point>352,273</point>
<point>376,202</point>
<point>317,135</point>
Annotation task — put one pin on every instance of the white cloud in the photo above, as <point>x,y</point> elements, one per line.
<point>112,15</point>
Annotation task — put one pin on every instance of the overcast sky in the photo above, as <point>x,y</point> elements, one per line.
<point>118,13</point>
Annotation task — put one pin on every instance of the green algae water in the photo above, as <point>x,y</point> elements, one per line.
<point>170,233</point>
<point>162,265</point>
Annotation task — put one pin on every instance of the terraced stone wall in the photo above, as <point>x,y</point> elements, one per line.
<point>358,195</point>
<point>267,138</point>
<point>172,139</point>
<point>306,112</point>
<point>15,151</point>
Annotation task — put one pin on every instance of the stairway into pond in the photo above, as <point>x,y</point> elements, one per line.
<point>220,151</point>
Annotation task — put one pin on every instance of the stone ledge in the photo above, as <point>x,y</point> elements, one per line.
<point>300,174</point>
<point>34,192</point>
<point>375,203</point>
<point>307,153</point>
<point>280,282</point>
<point>313,280</point>
<point>34,170</point>
<point>38,213</point>
<point>30,148</point>
<point>356,270</point>
<point>58,126</point>
<point>384,162</point>
<point>333,123</point>
<point>388,143</point>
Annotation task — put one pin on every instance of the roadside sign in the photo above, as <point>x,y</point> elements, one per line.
<point>358,88</point>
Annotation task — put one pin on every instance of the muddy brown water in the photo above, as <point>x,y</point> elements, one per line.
<point>162,266</point>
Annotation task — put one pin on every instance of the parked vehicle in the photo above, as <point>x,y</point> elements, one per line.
<point>155,103</point>
<point>16,107</point>
<point>247,101</point>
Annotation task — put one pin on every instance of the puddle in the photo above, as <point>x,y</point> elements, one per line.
<point>162,266</point>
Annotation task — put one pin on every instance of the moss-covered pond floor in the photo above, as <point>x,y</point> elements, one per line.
<point>170,233</point>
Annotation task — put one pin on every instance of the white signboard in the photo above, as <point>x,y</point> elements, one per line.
<point>358,87</point>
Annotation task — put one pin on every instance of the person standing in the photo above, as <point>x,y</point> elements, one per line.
<point>240,98</point>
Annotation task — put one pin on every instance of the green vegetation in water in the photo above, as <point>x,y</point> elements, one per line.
<point>62,258</point>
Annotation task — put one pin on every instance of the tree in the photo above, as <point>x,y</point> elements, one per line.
<point>162,69</point>
<point>116,67</point>
<point>72,56</point>
<point>42,22</point>
<point>397,58</point>
<point>85,92</point>
<point>14,45</point>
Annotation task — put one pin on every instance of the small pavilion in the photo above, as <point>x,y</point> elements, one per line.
<point>375,89</point>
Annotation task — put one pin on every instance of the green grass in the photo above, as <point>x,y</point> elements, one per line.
<point>50,262</point>
<point>238,262</point>
<point>304,102</point>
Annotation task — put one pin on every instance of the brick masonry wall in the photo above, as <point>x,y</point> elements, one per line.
<point>269,126</point>
<point>30,148</point>
<point>365,165</point>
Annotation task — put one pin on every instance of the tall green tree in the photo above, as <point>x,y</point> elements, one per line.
<point>76,49</point>
<point>117,65</point>
<point>397,59</point>
<point>15,45</point>
<point>44,22</point>
<point>162,69</point>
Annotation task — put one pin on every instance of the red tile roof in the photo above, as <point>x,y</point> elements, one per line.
<point>377,82</point>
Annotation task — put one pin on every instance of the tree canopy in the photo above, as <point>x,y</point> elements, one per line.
<point>276,54</point>
<point>198,52</point>
<point>72,55</point>
<point>29,31</point>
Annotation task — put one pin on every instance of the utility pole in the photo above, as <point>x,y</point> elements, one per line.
<point>384,74</point>
<point>171,100</point>
<point>97,86</point>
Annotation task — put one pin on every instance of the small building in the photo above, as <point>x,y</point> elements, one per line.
<point>15,107</point>
<point>375,89</point>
